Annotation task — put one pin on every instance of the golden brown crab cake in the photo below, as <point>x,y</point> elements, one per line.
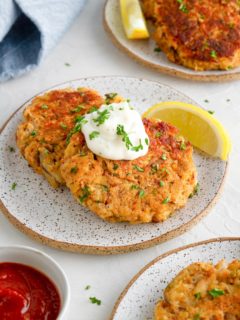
<point>148,189</point>
<point>201,35</point>
<point>48,119</point>
<point>202,291</point>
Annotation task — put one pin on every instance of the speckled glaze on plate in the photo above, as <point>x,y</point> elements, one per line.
<point>137,301</point>
<point>56,219</point>
<point>143,50</point>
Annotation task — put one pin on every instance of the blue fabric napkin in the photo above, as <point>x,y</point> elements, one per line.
<point>29,29</point>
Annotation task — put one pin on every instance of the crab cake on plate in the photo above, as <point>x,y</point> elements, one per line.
<point>147,189</point>
<point>201,35</point>
<point>48,119</point>
<point>202,291</point>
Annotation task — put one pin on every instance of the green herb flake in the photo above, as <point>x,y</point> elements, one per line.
<point>166,200</point>
<point>139,147</point>
<point>109,97</point>
<point>125,138</point>
<point>87,287</point>
<point>182,146</point>
<point>82,154</point>
<point>134,186</point>
<point>139,169</point>
<point>63,125</point>
<point>104,187</point>
<point>85,194</point>
<point>206,101</point>
<point>197,295</point>
<point>195,190</point>
<point>141,193</point>
<point>213,54</point>
<point>44,107</point>
<point>93,109</point>
<point>154,168</point>
<point>33,133</point>
<point>67,64</point>
<point>157,49</point>
<point>216,292</point>
<point>211,111</point>
<point>11,149</point>
<point>164,157</point>
<point>164,170</point>
<point>196,316</point>
<point>79,122</point>
<point>13,187</point>
<point>102,117</point>
<point>94,300</point>
<point>128,100</point>
<point>158,134</point>
<point>147,141</point>
<point>74,169</point>
<point>115,166</point>
<point>78,108</point>
<point>94,135</point>
<point>161,183</point>
<point>182,6</point>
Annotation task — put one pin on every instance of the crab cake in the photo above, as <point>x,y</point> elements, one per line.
<point>48,119</point>
<point>202,291</point>
<point>147,189</point>
<point>201,35</point>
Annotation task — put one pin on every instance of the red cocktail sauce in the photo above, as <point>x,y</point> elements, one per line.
<point>26,294</point>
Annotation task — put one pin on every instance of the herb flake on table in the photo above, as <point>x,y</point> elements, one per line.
<point>67,64</point>
<point>94,300</point>
<point>87,287</point>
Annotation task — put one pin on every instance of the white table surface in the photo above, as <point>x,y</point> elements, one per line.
<point>90,52</point>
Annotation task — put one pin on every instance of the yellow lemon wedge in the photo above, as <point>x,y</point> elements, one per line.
<point>133,20</point>
<point>196,124</point>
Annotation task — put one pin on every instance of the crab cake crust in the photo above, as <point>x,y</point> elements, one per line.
<point>188,296</point>
<point>148,189</point>
<point>201,35</point>
<point>48,119</point>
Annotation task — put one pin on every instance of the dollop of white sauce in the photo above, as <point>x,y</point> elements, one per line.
<point>119,120</point>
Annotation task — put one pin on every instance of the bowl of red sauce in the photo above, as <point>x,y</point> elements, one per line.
<point>32,285</point>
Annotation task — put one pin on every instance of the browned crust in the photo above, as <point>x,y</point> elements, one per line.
<point>162,69</point>
<point>168,253</point>
<point>102,250</point>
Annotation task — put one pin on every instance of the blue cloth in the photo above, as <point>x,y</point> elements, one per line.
<point>29,29</point>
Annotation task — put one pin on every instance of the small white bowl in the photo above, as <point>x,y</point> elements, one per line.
<point>45,264</point>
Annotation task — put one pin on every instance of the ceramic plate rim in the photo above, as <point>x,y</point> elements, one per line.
<point>159,68</point>
<point>157,259</point>
<point>106,250</point>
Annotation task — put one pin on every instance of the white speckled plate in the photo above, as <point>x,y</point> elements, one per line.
<point>143,50</point>
<point>55,218</point>
<point>138,300</point>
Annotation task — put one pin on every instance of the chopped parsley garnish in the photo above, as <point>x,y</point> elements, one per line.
<point>87,287</point>
<point>79,122</point>
<point>164,170</point>
<point>104,187</point>
<point>74,169</point>
<point>11,149</point>
<point>67,64</point>
<point>213,54</point>
<point>216,292</point>
<point>197,295</point>
<point>154,168</point>
<point>94,135</point>
<point>77,109</point>
<point>33,133</point>
<point>102,117</point>
<point>139,147</point>
<point>166,200</point>
<point>182,6</point>
<point>138,168</point>
<point>161,183</point>
<point>195,191</point>
<point>196,316</point>
<point>182,146</point>
<point>158,134</point>
<point>94,300</point>
<point>128,100</point>
<point>44,107</point>
<point>82,154</point>
<point>13,187</point>
<point>85,194</point>
<point>164,157</point>
<point>115,166</point>
<point>93,109</point>
<point>141,193</point>
<point>63,125</point>
<point>157,49</point>
<point>211,111</point>
<point>125,138</point>
<point>109,97</point>
<point>134,186</point>
<point>147,141</point>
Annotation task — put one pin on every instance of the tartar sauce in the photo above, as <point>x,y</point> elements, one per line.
<point>116,132</point>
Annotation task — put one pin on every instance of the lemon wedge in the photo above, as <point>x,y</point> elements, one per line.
<point>196,124</point>
<point>133,20</point>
